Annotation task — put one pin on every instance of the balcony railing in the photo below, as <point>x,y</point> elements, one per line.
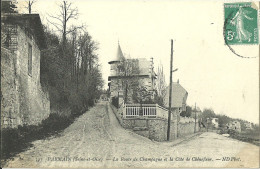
<point>144,110</point>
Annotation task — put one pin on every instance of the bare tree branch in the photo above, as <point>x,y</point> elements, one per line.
<point>66,13</point>
<point>55,24</point>
<point>56,17</point>
<point>29,5</point>
<point>75,28</point>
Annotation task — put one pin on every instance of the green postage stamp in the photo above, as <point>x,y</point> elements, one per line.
<point>241,25</point>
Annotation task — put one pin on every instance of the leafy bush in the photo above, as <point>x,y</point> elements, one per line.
<point>232,132</point>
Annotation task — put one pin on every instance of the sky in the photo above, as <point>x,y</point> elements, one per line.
<point>213,76</point>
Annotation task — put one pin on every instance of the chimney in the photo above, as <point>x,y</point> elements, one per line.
<point>178,81</point>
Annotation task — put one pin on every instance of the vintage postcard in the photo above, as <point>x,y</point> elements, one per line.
<point>129,84</point>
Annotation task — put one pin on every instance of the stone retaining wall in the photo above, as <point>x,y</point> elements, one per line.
<point>22,99</point>
<point>154,129</point>
<point>187,128</point>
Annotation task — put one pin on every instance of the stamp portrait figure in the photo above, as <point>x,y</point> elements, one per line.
<point>238,21</point>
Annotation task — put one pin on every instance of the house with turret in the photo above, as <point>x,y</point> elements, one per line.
<point>132,89</point>
<point>128,77</point>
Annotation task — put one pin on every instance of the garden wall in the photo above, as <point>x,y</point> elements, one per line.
<point>154,129</point>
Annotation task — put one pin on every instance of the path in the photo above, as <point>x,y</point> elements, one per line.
<point>96,139</point>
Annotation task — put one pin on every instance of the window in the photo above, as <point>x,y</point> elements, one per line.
<point>29,59</point>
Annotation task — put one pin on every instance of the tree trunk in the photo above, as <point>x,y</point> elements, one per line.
<point>64,23</point>
<point>30,7</point>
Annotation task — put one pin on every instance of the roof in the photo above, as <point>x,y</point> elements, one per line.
<point>30,22</point>
<point>144,66</point>
<point>119,56</point>
<point>124,77</point>
<point>179,96</point>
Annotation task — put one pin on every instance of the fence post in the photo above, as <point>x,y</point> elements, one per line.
<point>124,111</point>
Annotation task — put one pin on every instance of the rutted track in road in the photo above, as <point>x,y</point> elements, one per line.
<point>108,157</point>
<point>97,133</point>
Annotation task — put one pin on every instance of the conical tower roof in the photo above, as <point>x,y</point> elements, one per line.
<point>119,56</point>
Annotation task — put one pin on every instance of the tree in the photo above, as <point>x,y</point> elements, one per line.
<point>67,13</point>
<point>223,120</point>
<point>8,6</point>
<point>142,95</point>
<point>128,70</point>
<point>208,113</point>
<point>160,87</point>
<point>71,74</point>
<point>70,56</point>
<point>207,116</point>
<point>29,5</point>
<point>186,113</point>
<point>160,82</point>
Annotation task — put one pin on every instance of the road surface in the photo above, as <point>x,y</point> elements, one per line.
<point>96,139</point>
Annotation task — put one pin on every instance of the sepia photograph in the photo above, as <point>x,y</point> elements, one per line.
<point>130,84</point>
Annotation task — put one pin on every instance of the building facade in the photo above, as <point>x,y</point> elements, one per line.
<point>128,77</point>
<point>179,98</point>
<point>214,122</point>
<point>23,99</point>
<point>234,125</point>
<point>149,120</point>
<point>248,126</point>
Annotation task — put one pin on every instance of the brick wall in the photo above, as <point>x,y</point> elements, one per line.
<point>23,101</point>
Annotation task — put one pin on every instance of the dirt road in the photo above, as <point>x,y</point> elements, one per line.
<point>96,139</point>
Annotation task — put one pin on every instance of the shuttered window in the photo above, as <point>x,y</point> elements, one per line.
<point>29,59</point>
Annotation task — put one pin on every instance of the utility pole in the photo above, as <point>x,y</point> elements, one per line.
<point>170,93</point>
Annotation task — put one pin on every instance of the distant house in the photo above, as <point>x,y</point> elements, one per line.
<point>179,98</point>
<point>234,125</point>
<point>214,122</point>
<point>248,125</point>
<point>23,100</point>
<point>145,76</point>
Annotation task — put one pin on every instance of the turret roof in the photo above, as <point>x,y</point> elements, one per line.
<point>118,57</point>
